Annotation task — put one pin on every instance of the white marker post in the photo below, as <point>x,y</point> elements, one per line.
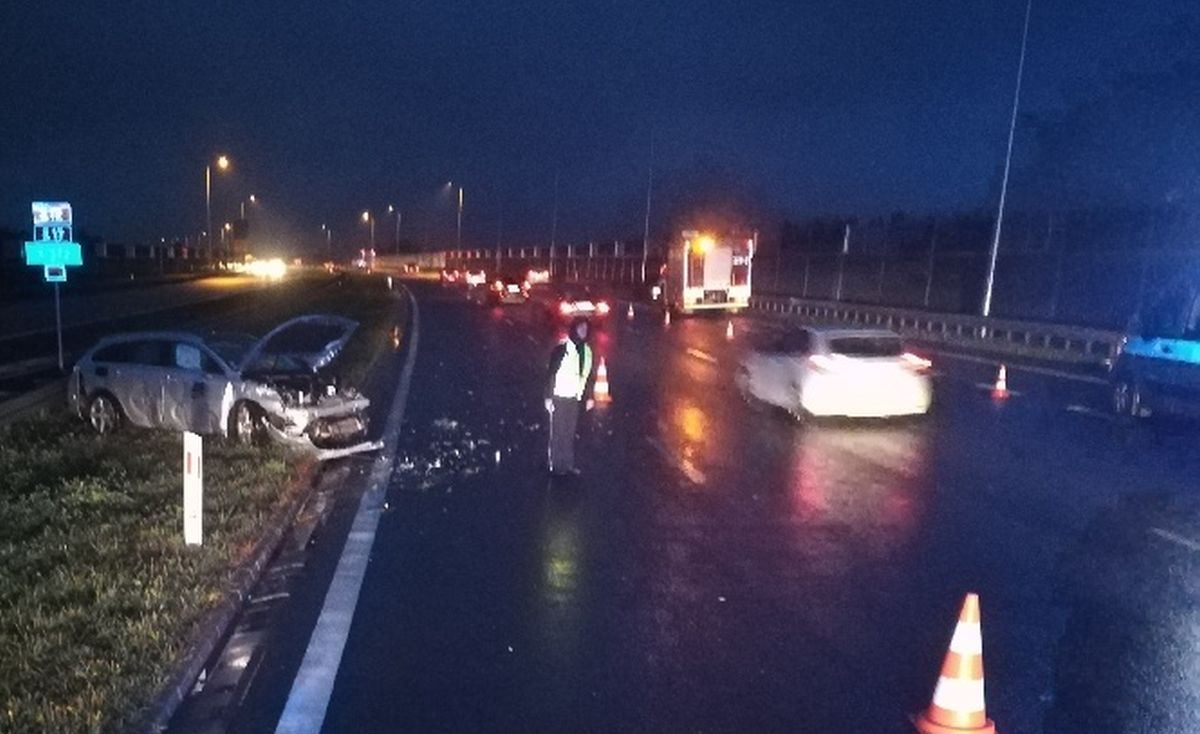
<point>193,489</point>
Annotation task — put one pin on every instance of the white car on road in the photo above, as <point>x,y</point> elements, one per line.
<point>813,371</point>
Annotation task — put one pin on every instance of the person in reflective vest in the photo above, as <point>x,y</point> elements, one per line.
<point>568,388</point>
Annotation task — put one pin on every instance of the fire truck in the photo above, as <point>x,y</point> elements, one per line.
<point>709,271</point>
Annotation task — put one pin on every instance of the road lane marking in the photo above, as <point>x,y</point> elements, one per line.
<point>988,387</point>
<point>308,701</point>
<point>1175,538</point>
<point>1090,412</point>
<point>531,339</point>
<point>702,355</point>
<point>1017,367</point>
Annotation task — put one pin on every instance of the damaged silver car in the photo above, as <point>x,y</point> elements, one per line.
<point>281,385</point>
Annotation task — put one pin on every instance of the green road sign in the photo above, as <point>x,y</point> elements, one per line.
<point>53,253</point>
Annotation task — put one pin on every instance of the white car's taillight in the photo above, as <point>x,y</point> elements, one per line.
<point>916,361</point>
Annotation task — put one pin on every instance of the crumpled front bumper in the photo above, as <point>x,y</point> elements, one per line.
<point>338,423</point>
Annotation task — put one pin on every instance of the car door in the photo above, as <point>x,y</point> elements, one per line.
<point>757,366</point>
<point>793,360</point>
<point>135,378</point>
<point>196,390</point>
<point>1158,356</point>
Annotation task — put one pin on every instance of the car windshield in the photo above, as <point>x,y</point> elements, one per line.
<point>866,346</point>
<point>231,347</point>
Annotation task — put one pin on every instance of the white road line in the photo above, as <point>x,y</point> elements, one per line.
<point>985,386</point>
<point>531,339</point>
<point>702,355</point>
<point>1018,367</point>
<point>308,700</point>
<point>1090,412</point>
<point>1174,538</point>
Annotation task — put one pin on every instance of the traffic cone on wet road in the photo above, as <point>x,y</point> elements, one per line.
<point>601,393</point>
<point>958,704</point>
<point>1000,390</point>
<point>729,329</point>
<point>629,312</point>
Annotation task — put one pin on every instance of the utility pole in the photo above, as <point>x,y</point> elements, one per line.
<point>646,225</point>
<point>1012,128</point>
<point>929,269</point>
<point>554,215</point>
<point>841,273</point>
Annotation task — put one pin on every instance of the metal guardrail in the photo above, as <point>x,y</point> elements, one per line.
<point>1079,345</point>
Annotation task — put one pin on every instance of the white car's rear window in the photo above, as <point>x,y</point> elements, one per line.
<point>866,346</point>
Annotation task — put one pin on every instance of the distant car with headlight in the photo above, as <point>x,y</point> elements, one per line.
<point>537,276</point>
<point>563,303</point>
<point>475,278</point>
<point>509,289</point>
<point>858,373</point>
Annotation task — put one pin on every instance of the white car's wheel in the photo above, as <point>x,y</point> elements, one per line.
<point>245,423</point>
<point>741,380</point>
<point>104,414</point>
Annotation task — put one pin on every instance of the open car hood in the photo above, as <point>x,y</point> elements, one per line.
<point>312,341</point>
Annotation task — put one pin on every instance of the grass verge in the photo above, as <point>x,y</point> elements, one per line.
<point>98,594</point>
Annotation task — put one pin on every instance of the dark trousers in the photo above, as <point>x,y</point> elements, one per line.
<point>563,421</point>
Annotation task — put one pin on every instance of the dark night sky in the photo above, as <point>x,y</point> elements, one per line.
<point>801,107</point>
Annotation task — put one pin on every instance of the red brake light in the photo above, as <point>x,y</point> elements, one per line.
<point>822,363</point>
<point>498,285</point>
<point>915,361</point>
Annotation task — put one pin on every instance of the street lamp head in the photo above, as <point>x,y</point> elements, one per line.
<point>228,226</point>
<point>391,208</point>
<point>222,162</point>
<point>366,216</point>
<point>252,199</point>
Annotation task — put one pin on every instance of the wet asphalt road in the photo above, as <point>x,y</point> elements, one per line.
<point>721,568</point>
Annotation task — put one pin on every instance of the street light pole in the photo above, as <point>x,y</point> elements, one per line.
<point>222,163</point>
<point>646,224</point>
<point>1012,128</point>
<point>393,210</point>
<point>554,215</point>
<point>208,203</point>
<point>458,241</point>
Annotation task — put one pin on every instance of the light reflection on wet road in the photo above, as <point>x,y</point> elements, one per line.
<point>720,567</point>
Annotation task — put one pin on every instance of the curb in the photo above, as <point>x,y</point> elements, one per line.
<point>216,623</point>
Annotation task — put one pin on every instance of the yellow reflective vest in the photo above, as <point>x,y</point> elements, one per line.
<point>571,379</point>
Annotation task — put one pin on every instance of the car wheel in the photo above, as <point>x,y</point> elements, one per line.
<point>246,423</point>
<point>741,380</point>
<point>796,409</point>
<point>1127,400</point>
<point>104,414</point>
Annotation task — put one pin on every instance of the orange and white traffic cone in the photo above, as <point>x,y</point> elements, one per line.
<point>1000,389</point>
<point>729,329</point>
<point>958,704</point>
<point>600,393</point>
<point>629,312</point>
